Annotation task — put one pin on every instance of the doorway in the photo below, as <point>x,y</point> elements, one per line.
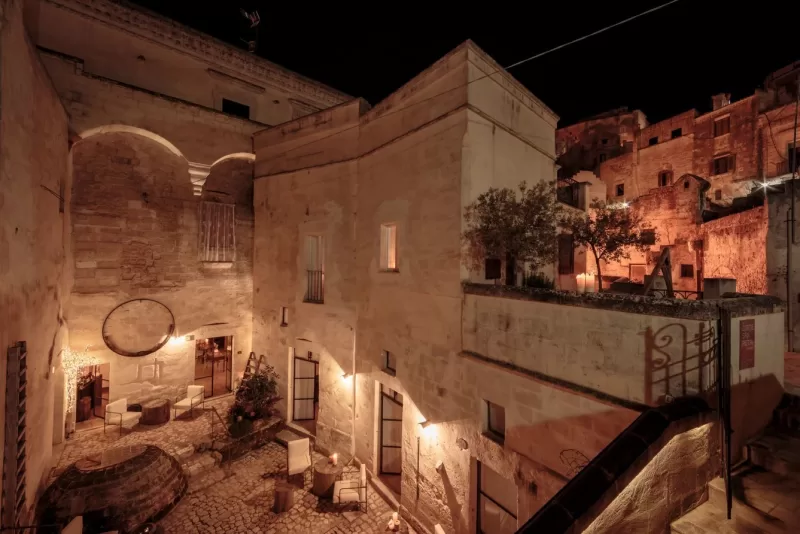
<point>305,401</point>
<point>390,450</point>
<point>213,365</point>
<point>92,397</point>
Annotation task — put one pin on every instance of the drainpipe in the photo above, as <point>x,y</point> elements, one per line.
<point>353,417</point>
<point>790,228</point>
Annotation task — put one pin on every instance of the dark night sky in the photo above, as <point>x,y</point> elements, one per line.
<point>663,63</point>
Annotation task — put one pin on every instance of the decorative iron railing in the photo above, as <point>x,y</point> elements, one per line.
<point>315,287</point>
<point>679,294</point>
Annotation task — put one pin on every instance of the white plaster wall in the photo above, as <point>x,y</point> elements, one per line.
<point>769,359</point>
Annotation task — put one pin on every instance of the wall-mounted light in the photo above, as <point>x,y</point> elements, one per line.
<point>347,377</point>
<point>425,424</point>
<point>176,340</point>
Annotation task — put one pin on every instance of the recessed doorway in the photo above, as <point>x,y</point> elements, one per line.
<point>212,365</point>
<point>92,397</point>
<point>390,450</point>
<point>305,401</point>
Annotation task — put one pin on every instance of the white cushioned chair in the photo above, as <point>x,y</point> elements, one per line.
<point>298,458</point>
<point>352,490</point>
<point>195,396</point>
<point>117,414</point>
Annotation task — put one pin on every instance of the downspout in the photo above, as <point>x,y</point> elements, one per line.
<point>790,227</point>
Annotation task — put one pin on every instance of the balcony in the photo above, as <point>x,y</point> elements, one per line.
<point>315,286</point>
<point>568,192</point>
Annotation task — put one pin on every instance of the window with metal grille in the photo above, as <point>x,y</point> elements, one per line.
<point>388,247</point>
<point>664,178</point>
<point>217,232</point>
<point>723,164</point>
<point>722,126</point>
<point>687,270</point>
<point>315,269</point>
<point>389,363</point>
<point>497,503</point>
<point>566,254</point>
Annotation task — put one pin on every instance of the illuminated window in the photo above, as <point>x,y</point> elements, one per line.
<point>389,247</point>
<point>722,126</point>
<point>497,503</point>
<point>217,239</point>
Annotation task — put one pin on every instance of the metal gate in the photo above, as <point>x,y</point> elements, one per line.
<point>391,449</point>
<point>306,390</point>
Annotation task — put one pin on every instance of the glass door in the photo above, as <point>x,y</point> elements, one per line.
<point>305,390</point>
<point>391,449</point>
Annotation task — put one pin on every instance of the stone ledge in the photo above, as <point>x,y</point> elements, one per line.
<point>738,304</point>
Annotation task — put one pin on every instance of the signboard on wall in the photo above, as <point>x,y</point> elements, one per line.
<point>747,344</point>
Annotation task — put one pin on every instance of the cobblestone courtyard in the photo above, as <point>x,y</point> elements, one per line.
<point>236,497</point>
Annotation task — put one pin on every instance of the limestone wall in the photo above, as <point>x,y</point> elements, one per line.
<point>736,247</point>
<point>33,236</point>
<point>135,234</point>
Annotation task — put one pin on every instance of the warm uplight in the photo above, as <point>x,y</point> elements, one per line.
<point>347,377</point>
<point>175,340</point>
<point>428,428</point>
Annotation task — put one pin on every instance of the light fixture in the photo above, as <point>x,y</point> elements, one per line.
<point>345,376</point>
<point>425,424</point>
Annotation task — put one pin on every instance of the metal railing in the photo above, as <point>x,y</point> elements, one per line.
<point>315,287</point>
<point>679,294</point>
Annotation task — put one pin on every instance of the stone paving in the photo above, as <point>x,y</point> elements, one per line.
<point>242,503</point>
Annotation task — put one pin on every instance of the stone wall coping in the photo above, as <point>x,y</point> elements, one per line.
<point>738,304</point>
<point>146,24</point>
<point>584,497</point>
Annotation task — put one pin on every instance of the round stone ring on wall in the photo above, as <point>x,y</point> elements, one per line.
<point>138,327</point>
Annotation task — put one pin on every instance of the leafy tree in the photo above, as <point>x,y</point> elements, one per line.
<point>610,232</point>
<point>503,225</point>
<point>255,397</point>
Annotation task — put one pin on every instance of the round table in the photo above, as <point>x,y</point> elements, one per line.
<point>325,475</point>
<point>155,412</point>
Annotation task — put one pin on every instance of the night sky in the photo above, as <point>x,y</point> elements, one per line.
<point>663,63</point>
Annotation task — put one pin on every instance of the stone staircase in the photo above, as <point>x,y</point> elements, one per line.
<point>766,487</point>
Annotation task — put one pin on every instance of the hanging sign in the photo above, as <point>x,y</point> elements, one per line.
<point>747,344</point>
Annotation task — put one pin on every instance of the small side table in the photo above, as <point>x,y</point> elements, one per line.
<point>284,497</point>
<point>155,412</point>
<point>325,475</point>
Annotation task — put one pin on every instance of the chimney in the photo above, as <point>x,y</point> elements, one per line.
<point>720,101</point>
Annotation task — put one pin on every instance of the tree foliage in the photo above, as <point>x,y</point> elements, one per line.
<point>504,225</point>
<point>610,232</point>
<point>255,397</point>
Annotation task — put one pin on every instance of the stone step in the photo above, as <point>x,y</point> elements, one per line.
<point>285,436</point>
<point>707,519</point>
<point>776,452</point>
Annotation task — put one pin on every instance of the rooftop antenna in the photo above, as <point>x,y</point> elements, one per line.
<point>254,19</point>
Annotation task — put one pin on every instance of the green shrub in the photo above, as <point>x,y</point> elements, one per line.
<point>255,399</point>
<point>539,281</point>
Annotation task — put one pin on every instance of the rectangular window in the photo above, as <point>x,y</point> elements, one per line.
<point>315,269</point>
<point>492,268</point>
<point>792,157</point>
<point>389,363</point>
<point>495,426</point>
<point>664,178</point>
<point>677,132</point>
<point>217,240</point>
<point>620,190</point>
<point>653,141</point>
<point>235,108</point>
<point>723,164</point>
<point>566,254</point>
<point>722,126</point>
<point>718,194</point>
<point>497,503</point>
<point>687,270</point>
<point>388,247</point>
<point>649,237</point>
<point>284,316</point>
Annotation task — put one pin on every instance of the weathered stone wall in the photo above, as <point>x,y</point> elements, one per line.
<point>140,48</point>
<point>135,233</point>
<point>776,134</point>
<point>33,236</point>
<point>736,247</point>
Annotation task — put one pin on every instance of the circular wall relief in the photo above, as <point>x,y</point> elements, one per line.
<point>138,327</point>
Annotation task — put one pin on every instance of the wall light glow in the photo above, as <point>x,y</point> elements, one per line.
<point>176,340</point>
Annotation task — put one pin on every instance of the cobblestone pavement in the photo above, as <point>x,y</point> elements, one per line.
<point>173,437</point>
<point>242,503</point>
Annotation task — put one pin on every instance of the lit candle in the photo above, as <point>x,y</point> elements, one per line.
<point>581,280</point>
<point>335,458</point>
<point>394,517</point>
<point>590,282</point>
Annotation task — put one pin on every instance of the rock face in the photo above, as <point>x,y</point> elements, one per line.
<point>116,490</point>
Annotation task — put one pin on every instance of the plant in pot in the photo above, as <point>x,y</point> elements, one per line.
<point>255,399</point>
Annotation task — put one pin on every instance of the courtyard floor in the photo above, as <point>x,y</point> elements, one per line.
<point>236,497</point>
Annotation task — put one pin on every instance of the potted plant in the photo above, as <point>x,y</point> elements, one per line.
<point>255,399</point>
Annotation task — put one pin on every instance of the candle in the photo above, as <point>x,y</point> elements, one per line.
<point>335,458</point>
<point>581,280</point>
<point>394,517</point>
<point>590,282</point>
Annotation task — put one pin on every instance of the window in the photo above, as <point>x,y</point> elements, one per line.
<point>677,132</point>
<point>497,503</point>
<point>620,190</point>
<point>722,126</point>
<point>389,363</point>
<point>495,426</point>
<point>235,108</point>
<point>492,268</point>
<point>686,184</point>
<point>723,164</point>
<point>718,194</point>
<point>792,157</point>
<point>217,240</point>
<point>653,141</point>
<point>315,269</point>
<point>284,316</point>
<point>388,247</point>
<point>649,237</point>
<point>664,178</point>
<point>602,157</point>
<point>566,254</point>
<point>687,270</point>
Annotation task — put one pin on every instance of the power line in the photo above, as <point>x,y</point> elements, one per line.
<point>492,73</point>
